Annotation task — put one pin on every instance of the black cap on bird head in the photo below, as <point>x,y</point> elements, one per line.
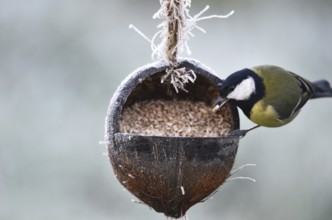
<point>243,88</point>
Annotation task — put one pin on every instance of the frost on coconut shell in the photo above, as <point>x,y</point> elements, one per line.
<point>169,174</point>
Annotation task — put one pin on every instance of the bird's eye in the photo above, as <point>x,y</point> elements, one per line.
<point>231,88</point>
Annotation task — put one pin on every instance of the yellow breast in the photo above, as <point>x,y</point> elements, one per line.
<point>267,116</point>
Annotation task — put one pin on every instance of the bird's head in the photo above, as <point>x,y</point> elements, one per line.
<point>243,88</point>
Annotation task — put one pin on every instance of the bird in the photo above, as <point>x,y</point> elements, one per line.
<point>269,95</point>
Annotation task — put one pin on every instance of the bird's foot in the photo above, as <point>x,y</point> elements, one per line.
<point>241,133</point>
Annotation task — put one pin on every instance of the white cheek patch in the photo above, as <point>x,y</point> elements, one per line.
<point>244,90</point>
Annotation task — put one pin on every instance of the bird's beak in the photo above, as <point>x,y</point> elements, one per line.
<point>220,102</point>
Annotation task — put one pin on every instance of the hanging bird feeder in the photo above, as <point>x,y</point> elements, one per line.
<point>166,145</point>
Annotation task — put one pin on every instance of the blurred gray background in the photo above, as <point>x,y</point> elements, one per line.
<point>61,61</point>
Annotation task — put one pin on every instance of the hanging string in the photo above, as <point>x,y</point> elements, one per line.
<point>174,34</point>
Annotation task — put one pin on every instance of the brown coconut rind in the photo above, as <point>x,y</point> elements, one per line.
<point>170,173</point>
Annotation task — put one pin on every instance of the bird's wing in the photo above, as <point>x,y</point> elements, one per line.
<point>307,90</point>
<point>296,94</point>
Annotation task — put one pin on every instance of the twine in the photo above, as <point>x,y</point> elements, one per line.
<point>174,26</point>
<point>178,77</point>
<point>174,33</point>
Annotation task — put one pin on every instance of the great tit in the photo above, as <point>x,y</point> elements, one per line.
<point>269,95</point>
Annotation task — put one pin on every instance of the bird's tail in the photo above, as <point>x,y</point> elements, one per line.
<point>322,89</point>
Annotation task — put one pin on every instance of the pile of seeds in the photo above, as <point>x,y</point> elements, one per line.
<point>174,118</point>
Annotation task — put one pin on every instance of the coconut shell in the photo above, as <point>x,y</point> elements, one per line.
<point>169,174</point>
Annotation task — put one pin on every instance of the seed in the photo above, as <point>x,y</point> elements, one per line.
<point>175,118</point>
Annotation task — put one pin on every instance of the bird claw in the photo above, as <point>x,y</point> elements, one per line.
<point>238,133</point>
<point>241,133</point>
